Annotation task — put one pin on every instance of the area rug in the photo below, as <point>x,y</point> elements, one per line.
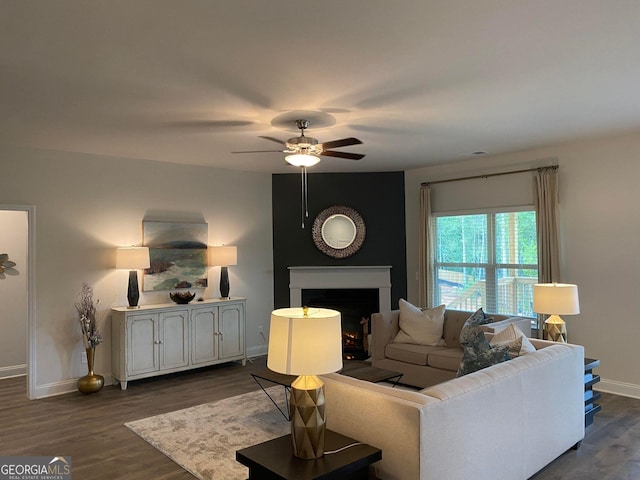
<point>203,439</point>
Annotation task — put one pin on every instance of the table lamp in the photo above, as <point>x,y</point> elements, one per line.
<point>306,342</point>
<point>222,257</point>
<point>555,299</point>
<point>132,259</point>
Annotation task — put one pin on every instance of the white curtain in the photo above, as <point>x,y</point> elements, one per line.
<point>547,228</point>
<point>425,253</point>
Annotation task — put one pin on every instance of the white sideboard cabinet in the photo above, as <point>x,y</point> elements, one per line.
<point>165,338</point>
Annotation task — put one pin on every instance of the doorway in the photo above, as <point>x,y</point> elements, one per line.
<point>17,319</point>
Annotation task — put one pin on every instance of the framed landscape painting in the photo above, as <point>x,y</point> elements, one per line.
<point>178,255</point>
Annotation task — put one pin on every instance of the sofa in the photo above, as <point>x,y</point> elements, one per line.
<point>507,421</point>
<point>423,365</point>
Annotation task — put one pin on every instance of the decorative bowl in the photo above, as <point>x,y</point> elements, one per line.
<point>182,297</point>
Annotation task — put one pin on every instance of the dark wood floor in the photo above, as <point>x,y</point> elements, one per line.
<point>90,428</point>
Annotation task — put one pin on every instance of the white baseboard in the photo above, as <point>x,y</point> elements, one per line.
<point>618,388</point>
<point>13,371</point>
<point>61,388</point>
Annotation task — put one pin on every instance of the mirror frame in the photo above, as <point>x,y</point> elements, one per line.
<point>327,249</point>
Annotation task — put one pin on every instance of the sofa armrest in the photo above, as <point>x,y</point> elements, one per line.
<point>524,324</point>
<point>384,328</point>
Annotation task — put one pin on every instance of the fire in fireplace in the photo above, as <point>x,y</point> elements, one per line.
<point>355,306</point>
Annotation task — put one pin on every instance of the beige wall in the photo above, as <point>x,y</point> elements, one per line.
<point>600,226</point>
<point>14,314</point>
<point>88,205</point>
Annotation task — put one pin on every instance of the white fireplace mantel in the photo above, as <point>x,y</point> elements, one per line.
<point>333,277</point>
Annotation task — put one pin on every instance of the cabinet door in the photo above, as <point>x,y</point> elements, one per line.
<point>142,337</point>
<point>231,330</point>
<point>174,339</point>
<point>204,335</point>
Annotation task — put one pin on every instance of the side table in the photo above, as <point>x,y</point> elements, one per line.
<point>274,460</point>
<point>590,396</point>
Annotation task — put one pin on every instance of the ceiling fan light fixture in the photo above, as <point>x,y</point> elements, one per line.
<point>302,160</point>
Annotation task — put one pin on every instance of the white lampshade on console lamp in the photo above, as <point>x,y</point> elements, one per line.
<point>555,299</point>
<point>306,342</point>
<point>132,259</point>
<point>222,257</point>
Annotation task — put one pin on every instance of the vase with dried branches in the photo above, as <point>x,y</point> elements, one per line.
<point>91,337</point>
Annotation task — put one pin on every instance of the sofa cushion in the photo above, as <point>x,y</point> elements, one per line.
<point>453,323</point>
<point>478,354</point>
<point>420,327</point>
<point>410,353</point>
<point>445,359</point>
<point>515,339</point>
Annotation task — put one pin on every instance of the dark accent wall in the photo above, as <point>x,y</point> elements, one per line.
<point>378,197</point>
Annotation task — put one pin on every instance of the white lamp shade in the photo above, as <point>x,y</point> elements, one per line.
<point>556,298</point>
<point>223,256</point>
<point>300,345</point>
<point>302,160</point>
<point>132,258</point>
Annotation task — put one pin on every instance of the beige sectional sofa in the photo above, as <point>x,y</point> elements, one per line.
<point>506,421</point>
<point>423,365</point>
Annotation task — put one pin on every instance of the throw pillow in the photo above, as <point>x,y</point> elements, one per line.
<point>515,339</point>
<point>420,327</point>
<point>470,326</point>
<point>478,354</point>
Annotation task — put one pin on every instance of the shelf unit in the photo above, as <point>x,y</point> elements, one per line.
<point>590,395</point>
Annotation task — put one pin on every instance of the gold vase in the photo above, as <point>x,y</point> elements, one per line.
<point>90,383</point>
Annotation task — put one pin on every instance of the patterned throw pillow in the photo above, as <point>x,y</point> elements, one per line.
<point>471,325</point>
<point>478,354</point>
<point>515,339</point>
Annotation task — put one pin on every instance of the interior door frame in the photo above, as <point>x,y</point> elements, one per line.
<point>31,293</point>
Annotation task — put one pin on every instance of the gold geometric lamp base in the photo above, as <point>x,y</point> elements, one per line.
<point>555,329</point>
<point>307,410</point>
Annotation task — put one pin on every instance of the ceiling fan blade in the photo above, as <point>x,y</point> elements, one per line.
<point>259,151</point>
<point>344,142</point>
<point>209,124</point>
<point>347,155</point>
<point>281,142</point>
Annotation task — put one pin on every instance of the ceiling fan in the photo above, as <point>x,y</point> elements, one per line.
<point>305,151</point>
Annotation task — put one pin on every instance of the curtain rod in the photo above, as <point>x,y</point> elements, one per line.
<point>487,175</point>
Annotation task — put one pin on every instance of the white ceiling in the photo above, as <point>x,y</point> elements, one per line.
<point>418,81</point>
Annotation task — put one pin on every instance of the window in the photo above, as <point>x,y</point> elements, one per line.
<point>487,259</point>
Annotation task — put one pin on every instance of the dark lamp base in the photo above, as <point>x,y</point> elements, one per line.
<point>133,294</point>
<point>224,282</point>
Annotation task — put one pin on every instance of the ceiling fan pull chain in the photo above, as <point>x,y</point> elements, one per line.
<point>304,194</point>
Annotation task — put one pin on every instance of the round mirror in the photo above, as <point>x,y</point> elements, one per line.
<point>338,231</point>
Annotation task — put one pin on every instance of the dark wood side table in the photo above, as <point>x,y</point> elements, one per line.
<point>590,396</point>
<point>273,460</point>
